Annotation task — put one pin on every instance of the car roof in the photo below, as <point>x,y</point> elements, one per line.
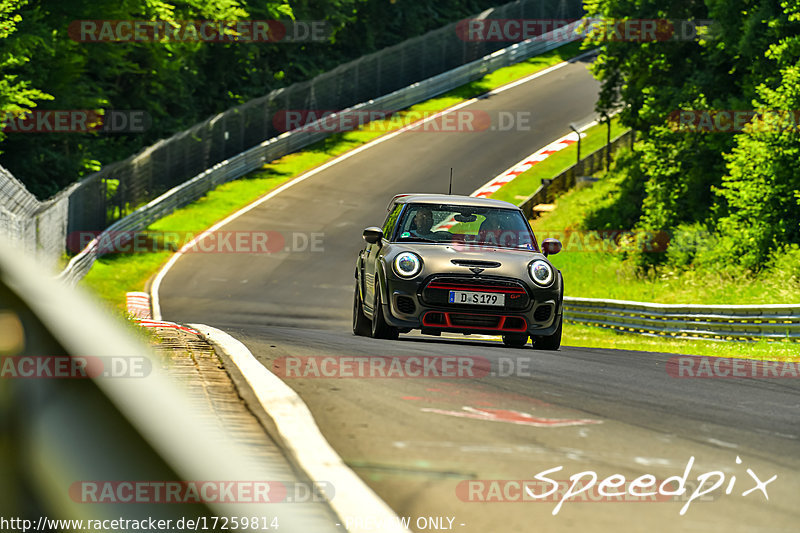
<point>452,199</point>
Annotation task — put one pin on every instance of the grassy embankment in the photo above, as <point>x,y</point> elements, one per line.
<point>595,274</point>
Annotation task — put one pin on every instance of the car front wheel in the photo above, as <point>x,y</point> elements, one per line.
<point>361,325</point>
<point>515,340</point>
<point>380,329</point>
<point>550,342</point>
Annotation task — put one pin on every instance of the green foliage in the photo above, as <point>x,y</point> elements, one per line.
<point>729,199</point>
<point>761,187</point>
<point>622,194</point>
<point>784,263</point>
<point>688,241</point>
<point>16,94</point>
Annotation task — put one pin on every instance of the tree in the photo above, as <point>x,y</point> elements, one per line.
<point>761,190</point>
<point>17,97</point>
<point>723,69</point>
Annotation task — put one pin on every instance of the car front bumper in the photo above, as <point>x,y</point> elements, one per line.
<point>421,305</point>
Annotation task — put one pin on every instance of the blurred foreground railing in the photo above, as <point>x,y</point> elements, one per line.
<point>58,432</point>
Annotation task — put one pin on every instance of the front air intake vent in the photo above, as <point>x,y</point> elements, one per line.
<point>543,312</point>
<point>406,304</point>
<point>475,263</point>
<point>475,321</point>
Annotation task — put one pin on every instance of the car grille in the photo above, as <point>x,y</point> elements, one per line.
<point>469,321</point>
<point>436,291</point>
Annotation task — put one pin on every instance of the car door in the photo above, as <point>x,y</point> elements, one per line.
<point>372,255</point>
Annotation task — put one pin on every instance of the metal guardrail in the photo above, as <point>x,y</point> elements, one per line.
<point>39,228</point>
<point>274,148</point>
<point>715,322</point>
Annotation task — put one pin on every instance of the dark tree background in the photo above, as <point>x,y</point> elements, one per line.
<point>177,83</point>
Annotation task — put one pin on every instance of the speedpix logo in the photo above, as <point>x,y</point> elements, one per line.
<point>589,487</point>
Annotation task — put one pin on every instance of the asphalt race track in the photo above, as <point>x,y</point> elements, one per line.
<point>430,447</point>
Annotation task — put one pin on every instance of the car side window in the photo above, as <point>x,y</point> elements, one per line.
<point>391,221</point>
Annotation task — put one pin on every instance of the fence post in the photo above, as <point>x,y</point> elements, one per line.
<point>608,141</point>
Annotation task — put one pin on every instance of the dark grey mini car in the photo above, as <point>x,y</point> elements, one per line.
<point>445,263</point>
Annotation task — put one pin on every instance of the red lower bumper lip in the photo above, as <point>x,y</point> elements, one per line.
<point>461,320</point>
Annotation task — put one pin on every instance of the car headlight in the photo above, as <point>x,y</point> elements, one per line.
<point>541,273</point>
<point>407,264</point>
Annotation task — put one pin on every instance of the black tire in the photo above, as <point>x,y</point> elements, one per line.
<point>550,342</point>
<point>380,329</point>
<point>515,340</point>
<point>361,325</point>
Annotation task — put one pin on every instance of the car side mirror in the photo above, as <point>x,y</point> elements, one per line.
<point>551,246</point>
<point>373,234</point>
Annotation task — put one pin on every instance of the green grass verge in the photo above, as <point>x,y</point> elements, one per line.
<point>526,183</point>
<point>114,275</point>
<point>595,274</point>
<point>592,274</point>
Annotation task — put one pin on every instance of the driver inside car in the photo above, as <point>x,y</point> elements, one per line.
<point>423,222</point>
<point>489,232</point>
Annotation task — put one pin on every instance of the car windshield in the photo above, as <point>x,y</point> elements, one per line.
<point>484,226</point>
